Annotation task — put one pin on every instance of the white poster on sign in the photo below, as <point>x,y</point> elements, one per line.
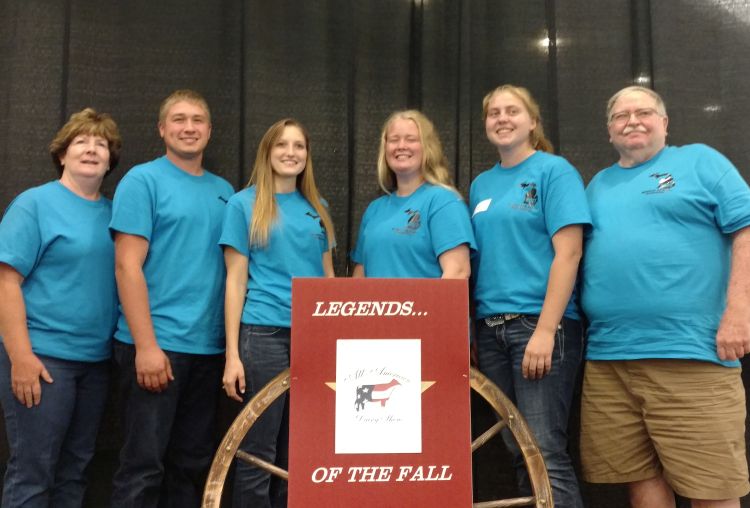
<point>378,396</point>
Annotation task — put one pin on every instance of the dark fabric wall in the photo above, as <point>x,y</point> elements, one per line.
<point>342,66</point>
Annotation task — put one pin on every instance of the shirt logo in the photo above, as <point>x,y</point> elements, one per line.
<point>530,197</point>
<point>665,182</point>
<point>412,223</point>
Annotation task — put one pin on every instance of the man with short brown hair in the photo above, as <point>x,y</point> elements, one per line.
<point>170,338</point>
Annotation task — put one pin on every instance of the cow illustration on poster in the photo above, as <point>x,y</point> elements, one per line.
<point>374,393</point>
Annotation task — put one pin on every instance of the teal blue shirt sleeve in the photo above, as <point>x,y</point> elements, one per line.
<point>20,239</point>
<point>732,208</point>
<point>450,225</point>
<point>133,209</point>
<point>235,232</point>
<point>565,198</point>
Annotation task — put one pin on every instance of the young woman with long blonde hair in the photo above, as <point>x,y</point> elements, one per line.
<point>275,229</point>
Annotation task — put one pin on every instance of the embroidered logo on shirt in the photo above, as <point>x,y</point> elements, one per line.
<point>530,197</point>
<point>412,223</point>
<point>665,182</point>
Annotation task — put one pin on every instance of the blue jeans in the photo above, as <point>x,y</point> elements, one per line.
<point>52,443</point>
<point>544,403</point>
<point>264,351</point>
<point>169,439</point>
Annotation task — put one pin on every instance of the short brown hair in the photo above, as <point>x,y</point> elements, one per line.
<point>89,122</point>
<point>183,95</point>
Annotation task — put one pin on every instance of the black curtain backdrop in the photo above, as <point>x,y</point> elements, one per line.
<point>341,67</point>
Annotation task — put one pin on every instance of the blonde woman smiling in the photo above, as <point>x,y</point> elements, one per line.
<point>275,229</point>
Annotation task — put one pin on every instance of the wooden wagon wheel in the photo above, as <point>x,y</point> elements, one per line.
<point>504,408</point>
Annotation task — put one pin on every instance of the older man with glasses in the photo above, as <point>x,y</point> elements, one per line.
<point>666,287</point>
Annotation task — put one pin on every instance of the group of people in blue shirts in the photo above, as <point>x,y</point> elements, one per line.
<point>204,275</point>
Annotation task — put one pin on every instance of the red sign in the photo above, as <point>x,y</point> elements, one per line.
<point>379,404</point>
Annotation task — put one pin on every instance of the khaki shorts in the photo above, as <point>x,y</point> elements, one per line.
<point>683,419</point>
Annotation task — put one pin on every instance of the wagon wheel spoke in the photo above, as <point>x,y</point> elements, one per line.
<point>262,464</point>
<point>487,435</point>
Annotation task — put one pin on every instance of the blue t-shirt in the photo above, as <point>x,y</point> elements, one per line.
<point>59,242</point>
<point>404,236</point>
<point>295,248</point>
<point>515,213</point>
<point>657,259</point>
<point>180,215</point>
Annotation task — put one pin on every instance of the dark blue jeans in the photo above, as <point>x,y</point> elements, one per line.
<point>544,403</point>
<point>169,438</point>
<point>264,351</point>
<point>52,443</point>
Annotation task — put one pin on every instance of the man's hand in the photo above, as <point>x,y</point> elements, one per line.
<point>24,378</point>
<point>733,336</point>
<point>152,368</point>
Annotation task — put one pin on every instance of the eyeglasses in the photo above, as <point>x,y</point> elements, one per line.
<point>640,115</point>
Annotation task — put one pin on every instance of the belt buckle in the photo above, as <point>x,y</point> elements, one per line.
<point>500,319</point>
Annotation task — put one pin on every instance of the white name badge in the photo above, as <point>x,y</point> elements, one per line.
<point>482,206</point>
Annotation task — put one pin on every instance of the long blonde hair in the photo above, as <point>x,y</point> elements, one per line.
<point>536,137</point>
<point>265,209</point>
<point>434,162</point>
